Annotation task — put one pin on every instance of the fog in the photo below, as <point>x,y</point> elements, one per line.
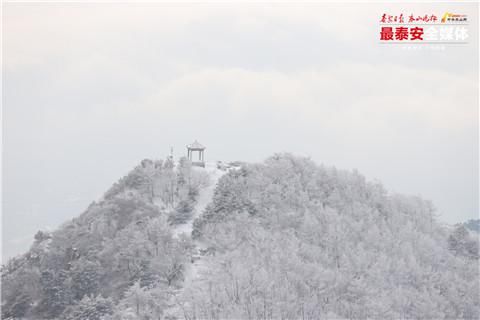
<point>89,90</point>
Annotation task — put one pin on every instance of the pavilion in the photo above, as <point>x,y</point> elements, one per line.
<point>196,146</point>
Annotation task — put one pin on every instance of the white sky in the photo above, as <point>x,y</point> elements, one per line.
<point>92,89</point>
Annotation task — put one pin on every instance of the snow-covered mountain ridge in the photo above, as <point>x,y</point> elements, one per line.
<point>282,239</point>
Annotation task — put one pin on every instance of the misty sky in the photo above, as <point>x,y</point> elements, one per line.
<point>89,90</point>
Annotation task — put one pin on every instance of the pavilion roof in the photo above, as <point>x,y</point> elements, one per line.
<point>195,146</point>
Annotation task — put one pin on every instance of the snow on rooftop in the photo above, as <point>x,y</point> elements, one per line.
<point>196,145</point>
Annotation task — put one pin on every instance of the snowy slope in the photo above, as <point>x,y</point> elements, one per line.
<point>204,197</point>
<point>193,271</point>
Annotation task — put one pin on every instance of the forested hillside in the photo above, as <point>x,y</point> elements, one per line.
<point>282,239</point>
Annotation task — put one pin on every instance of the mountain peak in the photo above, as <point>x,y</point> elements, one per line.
<point>282,238</point>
